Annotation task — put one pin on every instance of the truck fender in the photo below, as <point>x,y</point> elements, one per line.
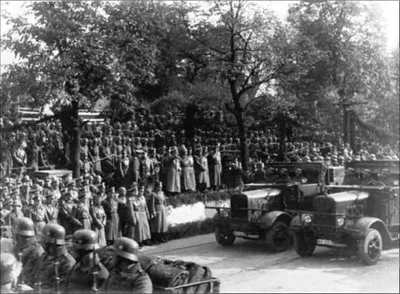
<point>362,225</point>
<point>220,221</point>
<point>268,219</point>
<point>295,224</point>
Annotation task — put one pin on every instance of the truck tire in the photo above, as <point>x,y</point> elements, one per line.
<point>278,237</point>
<point>370,247</point>
<point>223,238</point>
<point>304,244</point>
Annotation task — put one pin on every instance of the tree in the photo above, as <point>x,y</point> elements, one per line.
<point>74,54</point>
<point>247,49</point>
<point>352,68</point>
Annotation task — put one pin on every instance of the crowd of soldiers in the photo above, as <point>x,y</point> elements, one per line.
<point>128,172</point>
<point>46,266</point>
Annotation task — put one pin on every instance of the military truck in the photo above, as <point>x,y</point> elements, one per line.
<point>263,211</point>
<point>362,219</point>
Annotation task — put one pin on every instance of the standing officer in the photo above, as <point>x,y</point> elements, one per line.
<point>110,206</point>
<point>81,212</point>
<point>27,248</point>
<point>38,214</point>
<point>54,265</point>
<point>16,213</point>
<point>127,276</point>
<point>66,206</point>
<point>88,274</point>
<point>51,208</point>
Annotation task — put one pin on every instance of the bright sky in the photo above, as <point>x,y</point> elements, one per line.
<point>390,11</point>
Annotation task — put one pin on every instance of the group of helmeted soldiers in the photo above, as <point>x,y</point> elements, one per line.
<point>46,266</point>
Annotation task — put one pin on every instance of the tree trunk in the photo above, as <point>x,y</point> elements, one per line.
<point>352,131</point>
<point>346,136</point>
<point>244,150</point>
<point>75,141</point>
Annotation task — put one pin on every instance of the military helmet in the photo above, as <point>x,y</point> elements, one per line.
<point>85,239</point>
<point>54,233</point>
<point>10,268</point>
<point>126,248</point>
<point>24,227</point>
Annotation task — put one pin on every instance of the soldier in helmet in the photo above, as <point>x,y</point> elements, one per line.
<point>10,269</point>
<point>88,274</point>
<point>28,248</point>
<point>54,265</point>
<point>127,276</point>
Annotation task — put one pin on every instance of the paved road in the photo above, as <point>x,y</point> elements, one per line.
<point>248,267</point>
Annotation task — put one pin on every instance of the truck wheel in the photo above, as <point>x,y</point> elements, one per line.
<point>278,237</point>
<point>304,244</point>
<point>224,239</point>
<point>370,247</point>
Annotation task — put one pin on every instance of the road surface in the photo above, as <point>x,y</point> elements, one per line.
<point>248,267</point>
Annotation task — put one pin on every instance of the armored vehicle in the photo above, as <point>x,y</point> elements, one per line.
<point>362,217</point>
<point>262,210</point>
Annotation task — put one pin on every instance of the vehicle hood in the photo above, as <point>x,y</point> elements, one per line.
<point>258,198</point>
<point>339,202</point>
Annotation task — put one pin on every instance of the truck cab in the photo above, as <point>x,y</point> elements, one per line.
<point>363,218</point>
<point>263,211</point>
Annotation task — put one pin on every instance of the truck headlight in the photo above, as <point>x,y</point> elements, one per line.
<point>340,221</point>
<point>306,218</point>
<point>225,212</point>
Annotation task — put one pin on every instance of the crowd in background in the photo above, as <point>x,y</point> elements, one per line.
<point>128,170</point>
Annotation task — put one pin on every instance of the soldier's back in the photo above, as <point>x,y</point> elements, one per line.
<point>47,270</point>
<point>80,278</point>
<point>133,280</point>
<point>30,256</point>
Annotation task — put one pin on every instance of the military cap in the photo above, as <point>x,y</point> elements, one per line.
<point>36,197</point>
<point>17,202</point>
<point>111,189</point>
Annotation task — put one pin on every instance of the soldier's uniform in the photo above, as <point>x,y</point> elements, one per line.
<point>132,278</point>
<point>11,218</point>
<point>81,278</point>
<point>81,213</point>
<point>52,276</point>
<point>28,248</point>
<point>51,209</point>
<point>66,207</point>
<point>38,215</point>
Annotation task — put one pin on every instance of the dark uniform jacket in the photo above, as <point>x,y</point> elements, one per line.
<point>65,216</point>
<point>130,280</point>
<point>31,251</point>
<point>112,225</point>
<point>82,214</point>
<point>47,271</point>
<point>80,278</point>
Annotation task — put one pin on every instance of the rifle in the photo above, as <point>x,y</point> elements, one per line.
<point>57,277</point>
<point>38,285</point>
<point>95,272</point>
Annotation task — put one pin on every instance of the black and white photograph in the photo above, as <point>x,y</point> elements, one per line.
<point>212,146</point>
